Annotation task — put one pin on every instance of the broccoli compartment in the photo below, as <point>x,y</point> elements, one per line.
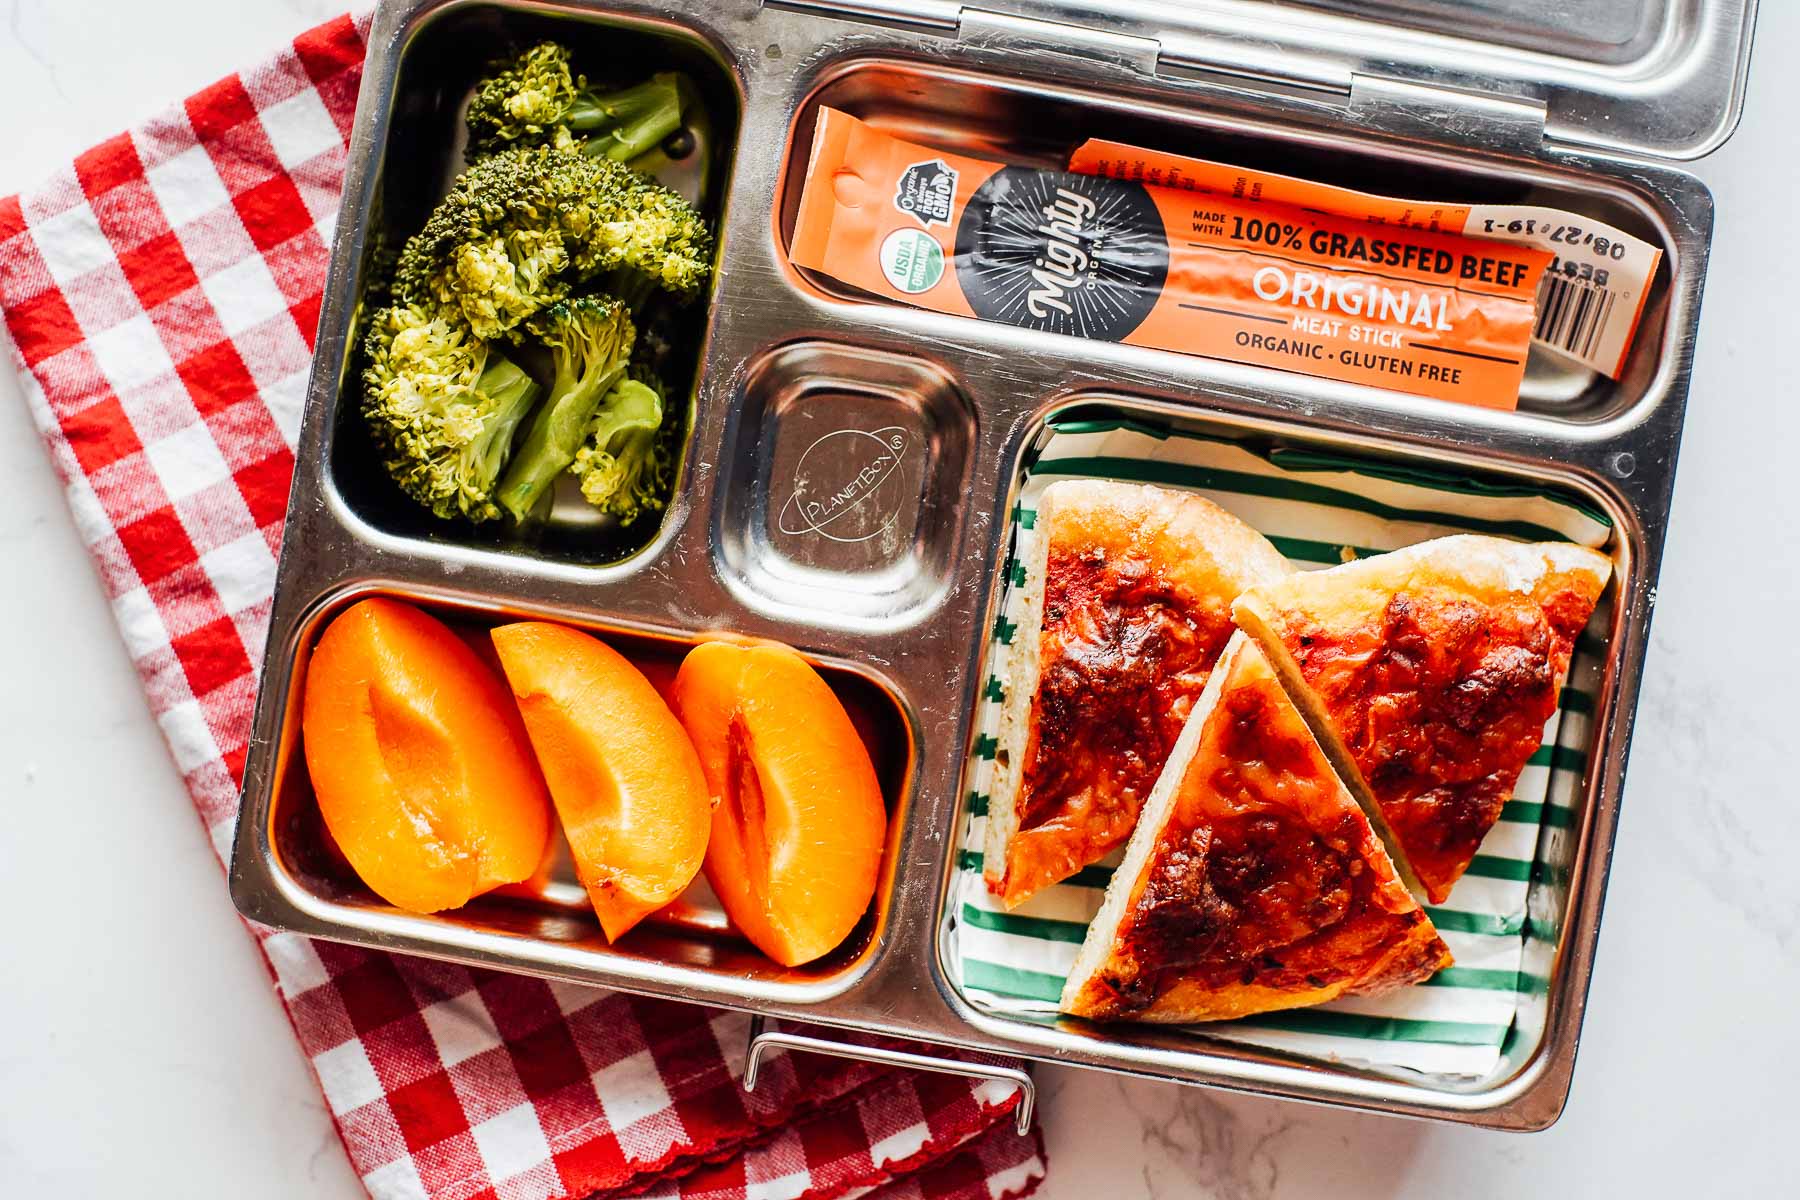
<point>522,333</point>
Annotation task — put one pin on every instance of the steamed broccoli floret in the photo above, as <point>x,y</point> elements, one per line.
<point>590,341</point>
<point>520,230</point>
<point>536,99</point>
<point>627,463</point>
<point>443,408</point>
<point>529,98</point>
<point>658,242</point>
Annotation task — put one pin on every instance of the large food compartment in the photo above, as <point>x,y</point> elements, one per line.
<point>1293,485</point>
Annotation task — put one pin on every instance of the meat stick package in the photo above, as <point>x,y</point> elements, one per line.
<point>1432,314</point>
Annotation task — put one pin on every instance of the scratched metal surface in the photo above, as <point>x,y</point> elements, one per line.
<point>1598,31</point>
<point>888,581</point>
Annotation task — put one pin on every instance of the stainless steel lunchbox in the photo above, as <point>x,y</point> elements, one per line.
<point>1583,107</point>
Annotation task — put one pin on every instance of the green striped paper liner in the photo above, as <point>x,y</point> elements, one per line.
<point>1312,509</point>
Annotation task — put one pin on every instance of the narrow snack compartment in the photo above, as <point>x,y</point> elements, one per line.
<point>1027,123</point>
<point>549,917</point>
<point>1482,1021</point>
<point>843,483</point>
<point>593,485</point>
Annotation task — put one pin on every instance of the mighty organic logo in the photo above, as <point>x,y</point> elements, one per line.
<point>1064,263</point>
<point>1073,254</point>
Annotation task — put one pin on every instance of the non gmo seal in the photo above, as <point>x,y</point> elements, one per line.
<point>927,192</point>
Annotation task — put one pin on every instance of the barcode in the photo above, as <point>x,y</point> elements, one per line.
<point>1572,314</point>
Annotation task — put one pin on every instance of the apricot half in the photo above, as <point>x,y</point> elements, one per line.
<point>418,759</point>
<point>622,772</point>
<point>798,822</point>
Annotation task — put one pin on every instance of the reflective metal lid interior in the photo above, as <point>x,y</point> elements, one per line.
<point>1655,77</point>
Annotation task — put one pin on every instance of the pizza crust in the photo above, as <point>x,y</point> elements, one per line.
<point>1020,676</point>
<point>1485,570</point>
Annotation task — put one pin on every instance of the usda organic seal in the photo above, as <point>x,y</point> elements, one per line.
<point>912,260</point>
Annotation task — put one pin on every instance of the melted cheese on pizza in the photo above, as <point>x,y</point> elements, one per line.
<point>1123,655</point>
<point>1440,701</point>
<point>1266,874</point>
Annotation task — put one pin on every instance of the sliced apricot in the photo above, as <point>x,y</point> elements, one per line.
<point>626,782</point>
<point>418,759</point>
<point>798,823</point>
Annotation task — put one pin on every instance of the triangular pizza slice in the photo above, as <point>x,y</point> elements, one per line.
<point>1128,592</point>
<point>1253,881</point>
<point>1429,674</point>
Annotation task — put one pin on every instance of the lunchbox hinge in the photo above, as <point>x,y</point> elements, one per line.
<point>1197,56</point>
<point>1485,120</point>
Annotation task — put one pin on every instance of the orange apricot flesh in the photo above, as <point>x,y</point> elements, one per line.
<point>419,761</point>
<point>622,772</point>
<point>798,823</point>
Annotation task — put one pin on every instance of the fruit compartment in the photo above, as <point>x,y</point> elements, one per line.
<point>546,923</point>
<point>1313,494</point>
<point>1031,121</point>
<point>843,474</point>
<point>419,151</point>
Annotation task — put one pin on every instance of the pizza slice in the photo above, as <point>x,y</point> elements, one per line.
<point>1253,881</point>
<point>1128,592</point>
<point>1429,674</point>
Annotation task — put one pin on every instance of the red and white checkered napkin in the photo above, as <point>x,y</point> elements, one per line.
<point>161,295</point>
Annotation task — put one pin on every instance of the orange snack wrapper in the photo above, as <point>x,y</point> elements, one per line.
<point>1418,311</point>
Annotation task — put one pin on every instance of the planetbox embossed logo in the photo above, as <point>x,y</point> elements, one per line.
<point>840,487</point>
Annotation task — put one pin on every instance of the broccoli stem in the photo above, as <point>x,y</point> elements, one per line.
<point>624,124</point>
<point>657,161</point>
<point>514,392</point>
<point>550,445</point>
<point>629,286</point>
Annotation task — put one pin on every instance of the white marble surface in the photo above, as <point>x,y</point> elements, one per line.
<point>144,1052</point>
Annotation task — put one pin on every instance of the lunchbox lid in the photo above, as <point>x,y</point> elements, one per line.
<point>1657,77</point>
